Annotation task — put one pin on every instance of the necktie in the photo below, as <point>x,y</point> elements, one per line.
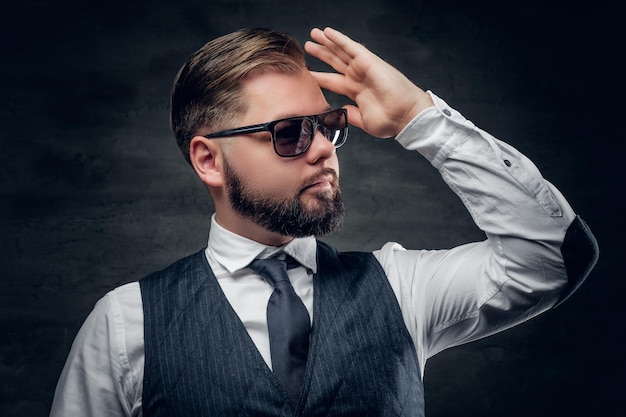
<point>288,325</point>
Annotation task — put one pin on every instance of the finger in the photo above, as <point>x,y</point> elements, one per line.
<point>342,42</point>
<point>352,53</point>
<point>320,37</point>
<point>326,48</point>
<point>354,116</point>
<point>325,55</point>
<point>330,81</point>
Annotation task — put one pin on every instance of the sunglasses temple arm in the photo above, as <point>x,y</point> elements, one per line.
<point>239,131</point>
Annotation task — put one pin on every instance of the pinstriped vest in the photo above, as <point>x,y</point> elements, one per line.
<point>200,360</point>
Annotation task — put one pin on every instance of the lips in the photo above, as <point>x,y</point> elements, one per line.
<point>324,181</point>
<point>327,179</point>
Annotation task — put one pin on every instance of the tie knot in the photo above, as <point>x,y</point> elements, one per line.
<point>274,270</point>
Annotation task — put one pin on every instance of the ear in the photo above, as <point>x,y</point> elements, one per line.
<point>206,159</point>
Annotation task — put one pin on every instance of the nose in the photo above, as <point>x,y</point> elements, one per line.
<point>320,148</point>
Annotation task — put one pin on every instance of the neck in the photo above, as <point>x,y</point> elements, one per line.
<point>245,227</point>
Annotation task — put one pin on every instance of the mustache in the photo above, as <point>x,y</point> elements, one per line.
<point>320,175</point>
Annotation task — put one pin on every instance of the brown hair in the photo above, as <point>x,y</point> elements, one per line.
<point>207,89</point>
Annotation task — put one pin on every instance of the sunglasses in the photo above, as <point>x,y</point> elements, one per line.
<point>292,136</point>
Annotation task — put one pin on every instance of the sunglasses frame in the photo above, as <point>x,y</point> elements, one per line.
<point>270,126</point>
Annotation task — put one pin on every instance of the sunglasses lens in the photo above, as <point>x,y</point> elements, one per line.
<point>292,137</point>
<point>334,126</point>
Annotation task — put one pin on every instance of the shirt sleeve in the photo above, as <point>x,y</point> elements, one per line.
<point>450,297</point>
<point>103,373</point>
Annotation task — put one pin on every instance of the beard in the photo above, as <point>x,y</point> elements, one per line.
<point>287,217</point>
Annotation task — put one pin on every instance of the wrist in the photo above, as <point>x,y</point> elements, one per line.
<point>422,102</point>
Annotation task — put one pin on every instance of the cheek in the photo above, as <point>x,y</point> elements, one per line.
<point>265,175</point>
<point>334,162</point>
<point>250,159</point>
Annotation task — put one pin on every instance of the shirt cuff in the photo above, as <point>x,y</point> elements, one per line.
<point>436,132</point>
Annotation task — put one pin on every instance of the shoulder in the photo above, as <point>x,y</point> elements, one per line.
<point>180,266</point>
<point>125,307</point>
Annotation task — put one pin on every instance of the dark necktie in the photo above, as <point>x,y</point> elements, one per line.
<point>288,325</point>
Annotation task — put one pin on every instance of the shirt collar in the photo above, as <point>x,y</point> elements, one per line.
<point>234,252</point>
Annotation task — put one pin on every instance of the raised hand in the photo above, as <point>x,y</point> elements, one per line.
<point>386,101</point>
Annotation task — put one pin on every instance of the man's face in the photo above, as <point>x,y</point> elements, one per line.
<point>293,197</point>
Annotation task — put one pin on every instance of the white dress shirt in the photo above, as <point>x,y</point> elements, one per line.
<point>447,297</point>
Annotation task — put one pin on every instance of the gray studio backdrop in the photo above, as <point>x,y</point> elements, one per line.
<point>94,192</point>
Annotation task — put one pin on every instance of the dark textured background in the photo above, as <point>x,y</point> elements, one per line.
<point>94,192</point>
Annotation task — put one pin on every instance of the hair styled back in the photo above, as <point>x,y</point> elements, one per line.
<point>207,89</point>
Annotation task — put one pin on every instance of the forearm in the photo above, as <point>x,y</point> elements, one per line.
<point>519,271</point>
